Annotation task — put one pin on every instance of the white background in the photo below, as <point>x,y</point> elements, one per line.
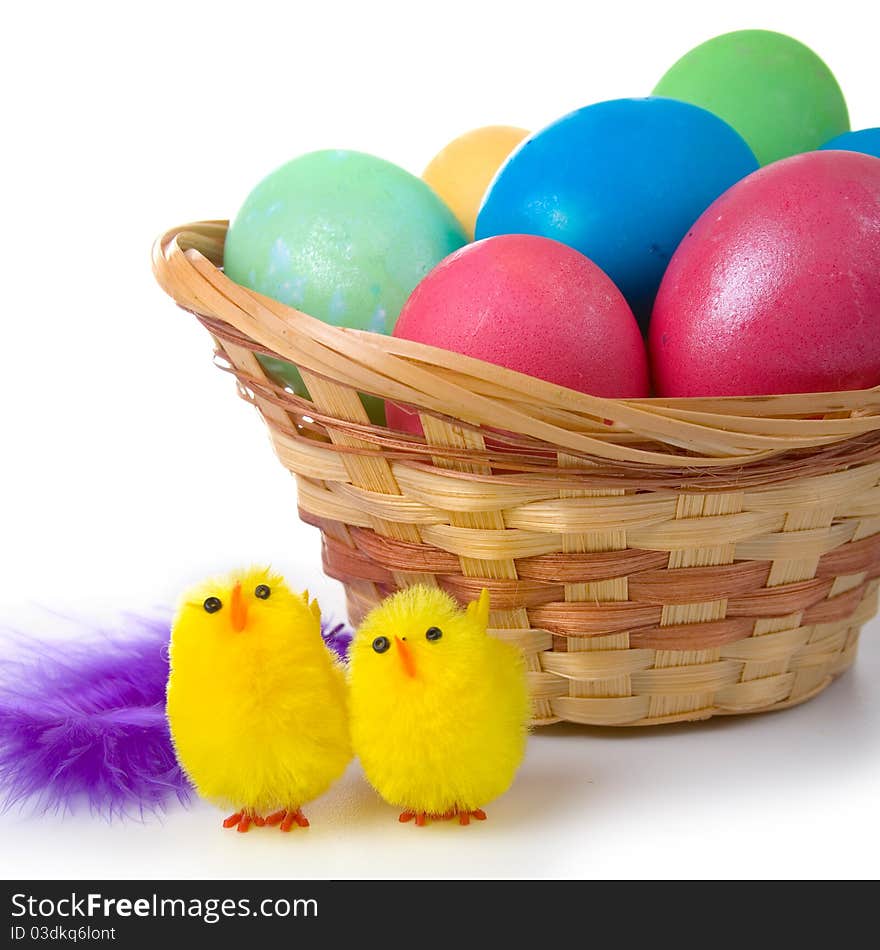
<point>130,468</point>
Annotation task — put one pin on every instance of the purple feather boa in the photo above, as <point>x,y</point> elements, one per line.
<point>337,636</point>
<point>84,721</point>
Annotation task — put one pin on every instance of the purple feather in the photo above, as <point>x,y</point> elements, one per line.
<point>84,720</point>
<point>337,637</point>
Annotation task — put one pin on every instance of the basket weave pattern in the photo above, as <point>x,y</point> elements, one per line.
<point>656,560</point>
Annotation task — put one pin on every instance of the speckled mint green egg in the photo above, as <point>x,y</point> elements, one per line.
<point>342,236</point>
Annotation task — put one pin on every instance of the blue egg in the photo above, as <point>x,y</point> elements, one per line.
<point>866,141</point>
<point>620,181</point>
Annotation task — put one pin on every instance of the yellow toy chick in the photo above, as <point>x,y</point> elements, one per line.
<point>256,703</point>
<point>439,709</point>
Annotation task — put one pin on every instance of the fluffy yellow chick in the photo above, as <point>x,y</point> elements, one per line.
<point>256,703</point>
<point>439,709</point>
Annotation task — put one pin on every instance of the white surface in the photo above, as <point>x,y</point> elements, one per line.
<point>130,469</point>
<point>790,795</point>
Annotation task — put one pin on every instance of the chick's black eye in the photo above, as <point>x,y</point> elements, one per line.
<point>212,604</point>
<point>433,633</point>
<point>262,592</point>
<point>381,644</point>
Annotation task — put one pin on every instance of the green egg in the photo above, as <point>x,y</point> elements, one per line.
<point>776,92</point>
<point>342,236</point>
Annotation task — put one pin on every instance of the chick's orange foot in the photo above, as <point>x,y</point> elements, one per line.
<point>242,821</point>
<point>287,818</point>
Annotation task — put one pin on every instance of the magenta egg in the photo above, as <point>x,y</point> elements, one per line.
<point>776,288</point>
<point>530,304</point>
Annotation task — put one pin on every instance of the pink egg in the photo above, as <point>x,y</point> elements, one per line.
<point>533,305</point>
<point>776,288</point>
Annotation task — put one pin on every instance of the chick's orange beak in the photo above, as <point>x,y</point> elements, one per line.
<point>406,657</point>
<point>238,609</point>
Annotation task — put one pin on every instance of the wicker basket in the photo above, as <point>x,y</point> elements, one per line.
<point>658,560</point>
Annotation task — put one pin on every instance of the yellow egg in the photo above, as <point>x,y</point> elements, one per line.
<point>461,172</point>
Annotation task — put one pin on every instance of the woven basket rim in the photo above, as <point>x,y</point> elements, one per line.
<point>680,434</point>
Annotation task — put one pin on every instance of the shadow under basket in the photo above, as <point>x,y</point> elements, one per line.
<point>657,560</point>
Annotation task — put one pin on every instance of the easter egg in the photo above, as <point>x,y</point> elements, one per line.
<point>533,305</point>
<point>621,182</point>
<point>342,236</point>
<point>866,141</point>
<point>776,289</point>
<point>462,171</point>
<point>773,90</point>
